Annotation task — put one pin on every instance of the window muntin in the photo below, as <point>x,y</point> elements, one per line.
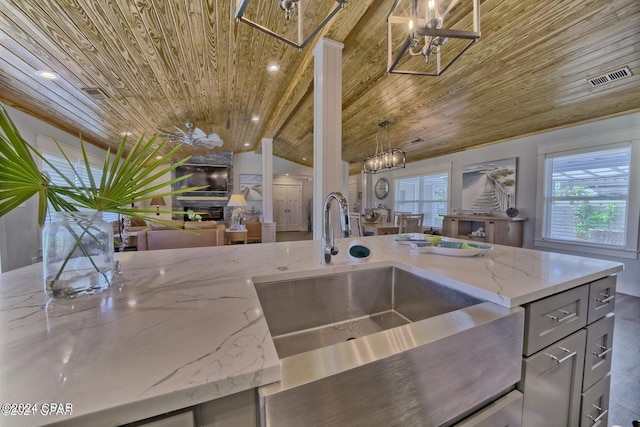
<point>51,153</point>
<point>427,194</point>
<point>586,197</point>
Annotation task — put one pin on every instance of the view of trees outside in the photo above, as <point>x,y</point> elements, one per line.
<point>587,197</point>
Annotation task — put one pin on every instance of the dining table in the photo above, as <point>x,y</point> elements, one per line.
<point>380,228</point>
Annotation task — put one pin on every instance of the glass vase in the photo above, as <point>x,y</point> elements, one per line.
<point>78,258</point>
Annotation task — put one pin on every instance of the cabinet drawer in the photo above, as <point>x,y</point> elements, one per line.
<point>551,384</point>
<point>597,360</point>
<point>550,319</point>
<point>601,298</point>
<point>504,412</point>
<point>595,404</point>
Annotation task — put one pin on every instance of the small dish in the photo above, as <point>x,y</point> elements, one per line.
<point>359,252</point>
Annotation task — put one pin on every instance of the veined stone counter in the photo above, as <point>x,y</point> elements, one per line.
<point>183,327</point>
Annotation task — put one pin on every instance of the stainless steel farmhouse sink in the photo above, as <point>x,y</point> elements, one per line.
<point>382,346</point>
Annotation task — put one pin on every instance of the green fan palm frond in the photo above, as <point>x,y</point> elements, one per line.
<point>125,179</point>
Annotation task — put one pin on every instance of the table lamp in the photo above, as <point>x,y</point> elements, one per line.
<point>157,202</point>
<point>236,201</point>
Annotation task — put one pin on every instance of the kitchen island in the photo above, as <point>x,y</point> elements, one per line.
<point>184,327</point>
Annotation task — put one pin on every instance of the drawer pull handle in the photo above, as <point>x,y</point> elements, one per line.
<point>564,359</point>
<point>606,298</point>
<point>601,413</point>
<point>567,316</point>
<point>604,353</point>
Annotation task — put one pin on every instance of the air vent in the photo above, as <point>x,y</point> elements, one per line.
<point>95,92</point>
<point>415,141</point>
<point>611,76</point>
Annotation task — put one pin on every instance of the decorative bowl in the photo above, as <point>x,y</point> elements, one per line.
<point>371,218</point>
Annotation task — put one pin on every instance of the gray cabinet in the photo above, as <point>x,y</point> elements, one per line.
<point>506,411</point>
<point>552,383</point>
<point>236,410</point>
<point>599,348</point>
<point>567,357</point>
<point>498,230</point>
<point>174,419</point>
<point>595,404</point>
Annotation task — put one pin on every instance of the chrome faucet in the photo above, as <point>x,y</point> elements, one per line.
<point>328,246</point>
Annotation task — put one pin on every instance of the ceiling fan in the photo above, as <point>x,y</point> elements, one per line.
<point>193,136</point>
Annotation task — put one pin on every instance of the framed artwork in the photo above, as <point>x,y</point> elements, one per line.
<point>489,186</point>
<point>251,187</point>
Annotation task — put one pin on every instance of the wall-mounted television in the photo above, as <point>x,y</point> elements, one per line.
<point>214,177</point>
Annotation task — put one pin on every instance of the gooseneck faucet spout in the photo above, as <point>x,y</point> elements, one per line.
<point>328,247</point>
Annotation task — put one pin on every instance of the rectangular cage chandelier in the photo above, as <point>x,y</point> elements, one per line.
<point>424,37</point>
<point>384,159</point>
<point>250,12</point>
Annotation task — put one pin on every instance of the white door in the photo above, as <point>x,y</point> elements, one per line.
<point>287,207</point>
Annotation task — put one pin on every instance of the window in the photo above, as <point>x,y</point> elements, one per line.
<point>427,194</point>
<point>588,197</point>
<point>51,153</point>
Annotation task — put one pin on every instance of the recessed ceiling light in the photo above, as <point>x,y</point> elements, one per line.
<point>158,157</point>
<point>126,133</point>
<point>304,159</point>
<point>47,74</point>
<point>246,144</point>
<point>255,118</point>
<point>273,67</point>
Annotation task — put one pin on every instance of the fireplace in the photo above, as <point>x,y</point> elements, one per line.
<point>211,213</point>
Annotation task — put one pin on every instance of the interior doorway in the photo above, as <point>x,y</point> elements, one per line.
<point>287,207</point>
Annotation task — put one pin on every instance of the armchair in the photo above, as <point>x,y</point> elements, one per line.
<point>254,229</point>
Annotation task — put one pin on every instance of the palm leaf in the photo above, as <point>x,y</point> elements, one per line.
<point>126,179</point>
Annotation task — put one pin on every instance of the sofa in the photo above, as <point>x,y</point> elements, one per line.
<point>181,234</point>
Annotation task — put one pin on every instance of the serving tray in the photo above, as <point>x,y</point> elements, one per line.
<point>457,249</point>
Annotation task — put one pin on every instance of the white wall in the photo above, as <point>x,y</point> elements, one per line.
<point>20,238</point>
<point>249,162</point>
<point>526,150</point>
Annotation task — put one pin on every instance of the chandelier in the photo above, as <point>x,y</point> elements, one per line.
<point>193,136</point>
<point>387,160</point>
<point>424,37</point>
<point>244,14</point>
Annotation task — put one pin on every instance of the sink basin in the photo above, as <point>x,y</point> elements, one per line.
<point>310,313</point>
<point>383,346</point>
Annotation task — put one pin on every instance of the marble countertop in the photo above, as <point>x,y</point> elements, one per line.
<point>182,327</point>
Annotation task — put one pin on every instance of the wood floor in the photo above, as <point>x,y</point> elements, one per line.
<point>293,236</point>
<point>624,403</point>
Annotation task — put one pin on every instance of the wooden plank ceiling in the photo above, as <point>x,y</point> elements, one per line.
<point>164,62</point>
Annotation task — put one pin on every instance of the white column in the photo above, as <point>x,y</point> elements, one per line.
<point>327,126</point>
<point>345,181</point>
<point>365,191</point>
<point>268,226</point>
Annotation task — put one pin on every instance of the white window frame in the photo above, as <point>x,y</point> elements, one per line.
<point>585,145</point>
<point>432,170</point>
<point>47,146</point>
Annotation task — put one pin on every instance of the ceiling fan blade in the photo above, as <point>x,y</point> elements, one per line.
<point>199,133</point>
<point>166,132</point>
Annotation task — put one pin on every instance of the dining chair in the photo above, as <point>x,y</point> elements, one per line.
<point>397,217</point>
<point>411,223</point>
<point>355,219</point>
